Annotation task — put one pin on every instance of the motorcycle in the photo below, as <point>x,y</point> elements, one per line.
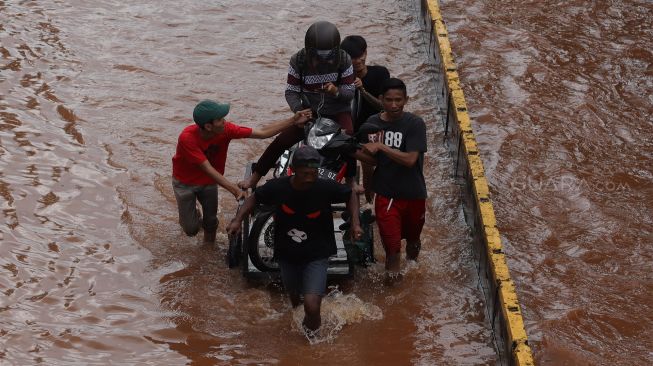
<point>253,248</point>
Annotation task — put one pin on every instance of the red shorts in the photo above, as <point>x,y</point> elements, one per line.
<point>398,219</point>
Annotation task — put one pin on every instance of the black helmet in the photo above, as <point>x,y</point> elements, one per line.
<point>322,40</point>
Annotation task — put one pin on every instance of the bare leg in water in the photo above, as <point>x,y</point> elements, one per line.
<point>392,268</point>
<point>295,300</point>
<point>312,319</point>
<point>312,304</point>
<point>412,250</point>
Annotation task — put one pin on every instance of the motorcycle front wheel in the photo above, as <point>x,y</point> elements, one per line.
<point>261,243</point>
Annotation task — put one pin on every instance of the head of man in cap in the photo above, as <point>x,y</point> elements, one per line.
<point>209,115</point>
<point>305,162</point>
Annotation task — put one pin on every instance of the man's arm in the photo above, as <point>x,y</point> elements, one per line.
<point>372,99</point>
<point>354,206</point>
<point>408,158</point>
<point>293,86</point>
<point>347,88</point>
<point>364,156</point>
<point>221,180</point>
<point>368,173</point>
<point>381,74</point>
<point>293,99</point>
<point>274,128</point>
<point>245,209</point>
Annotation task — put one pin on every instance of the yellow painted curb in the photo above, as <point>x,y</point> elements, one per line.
<point>516,346</point>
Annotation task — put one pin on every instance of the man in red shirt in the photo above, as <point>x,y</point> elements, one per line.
<point>198,164</point>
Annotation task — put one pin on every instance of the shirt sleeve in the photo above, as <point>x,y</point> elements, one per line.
<point>370,131</point>
<point>263,194</point>
<point>190,150</point>
<point>385,74</point>
<point>347,88</point>
<point>362,134</point>
<point>293,88</point>
<point>267,194</point>
<point>416,139</point>
<point>235,131</point>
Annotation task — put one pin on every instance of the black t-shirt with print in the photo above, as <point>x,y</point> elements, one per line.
<point>406,134</point>
<point>372,82</point>
<point>303,220</point>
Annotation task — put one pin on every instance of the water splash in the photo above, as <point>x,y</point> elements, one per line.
<point>338,310</point>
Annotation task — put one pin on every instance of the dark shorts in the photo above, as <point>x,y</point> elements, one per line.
<point>398,219</point>
<point>305,278</point>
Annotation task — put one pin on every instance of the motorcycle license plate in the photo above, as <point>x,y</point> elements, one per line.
<point>326,173</point>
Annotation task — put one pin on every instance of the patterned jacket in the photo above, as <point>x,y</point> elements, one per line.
<point>313,82</point>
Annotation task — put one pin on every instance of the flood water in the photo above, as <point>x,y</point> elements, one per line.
<point>562,100</point>
<point>93,266</point>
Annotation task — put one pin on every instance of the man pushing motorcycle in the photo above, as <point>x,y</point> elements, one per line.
<point>304,237</point>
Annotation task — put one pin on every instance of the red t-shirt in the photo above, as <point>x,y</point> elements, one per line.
<point>193,150</point>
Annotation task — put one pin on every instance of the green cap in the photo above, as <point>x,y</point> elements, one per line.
<point>209,110</point>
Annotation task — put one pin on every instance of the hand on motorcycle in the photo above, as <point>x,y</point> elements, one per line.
<point>244,184</point>
<point>234,227</point>
<point>237,192</point>
<point>372,147</point>
<point>301,117</point>
<point>358,83</point>
<point>356,232</point>
<point>331,89</point>
<point>249,182</point>
<point>359,189</point>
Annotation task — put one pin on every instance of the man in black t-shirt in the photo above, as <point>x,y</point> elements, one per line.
<point>304,236</point>
<point>369,81</point>
<point>369,78</point>
<point>395,141</point>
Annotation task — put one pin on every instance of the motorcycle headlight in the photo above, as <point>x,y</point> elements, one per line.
<point>321,132</point>
<point>318,141</point>
<point>324,126</point>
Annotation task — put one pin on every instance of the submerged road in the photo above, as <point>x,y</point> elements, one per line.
<point>93,266</point>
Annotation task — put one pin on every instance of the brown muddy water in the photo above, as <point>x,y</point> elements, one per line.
<point>562,99</point>
<point>93,266</point>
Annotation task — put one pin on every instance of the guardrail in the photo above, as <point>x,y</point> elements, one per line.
<point>501,302</point>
